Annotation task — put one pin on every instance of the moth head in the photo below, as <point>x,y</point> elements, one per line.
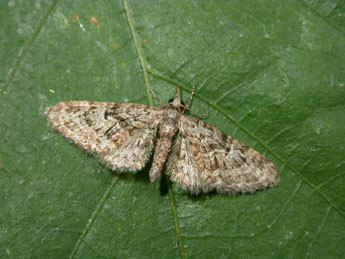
<point>177,102</point>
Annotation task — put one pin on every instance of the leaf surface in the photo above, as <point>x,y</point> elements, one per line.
<point>271,75</point>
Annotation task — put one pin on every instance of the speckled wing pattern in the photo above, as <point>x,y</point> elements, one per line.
<point>204,158</point>
<point>197,156</point>
<point>120,135</point>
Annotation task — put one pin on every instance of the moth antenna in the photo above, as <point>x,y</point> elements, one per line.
<point>201,115</point>
<point>186,107</point>
<point>191,97</point>
<point>155,96</point>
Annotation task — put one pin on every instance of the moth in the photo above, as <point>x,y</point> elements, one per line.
<point>195,155</point>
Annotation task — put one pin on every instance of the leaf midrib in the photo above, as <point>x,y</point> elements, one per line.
<point>143,65</point>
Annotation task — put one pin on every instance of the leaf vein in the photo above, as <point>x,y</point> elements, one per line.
<point>23,51</point>
<point>318,232</point>
<point>143,65</point>
<point>263,144</point>
<point>330,22</point>
<point>94,216</point>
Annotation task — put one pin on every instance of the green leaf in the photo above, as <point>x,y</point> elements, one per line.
<point>270,73</point>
